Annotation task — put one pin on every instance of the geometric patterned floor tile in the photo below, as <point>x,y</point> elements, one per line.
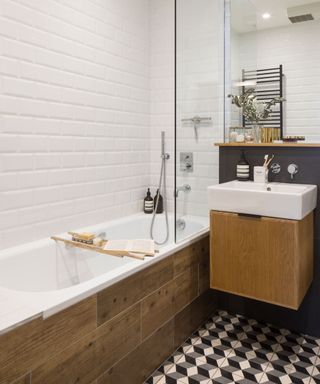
<point>315,379</point>
<point>284,378</point>
<point>193,358</point>
<point>197,373</point>
<point>155,378</point>
<point>229,375</point>
<point>208,347</point>
<point>233,349</point>
<point>159,374</point>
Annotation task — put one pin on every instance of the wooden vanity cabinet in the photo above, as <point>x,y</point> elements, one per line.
<point>262,258</point>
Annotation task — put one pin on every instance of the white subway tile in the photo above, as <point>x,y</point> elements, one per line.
<point>47,161</point>
<point>13,10</point>
<point>32,179</point>
<point>75,128</point>
<point>16,199</point>
<point>73,160</point>
<point>17,162</point>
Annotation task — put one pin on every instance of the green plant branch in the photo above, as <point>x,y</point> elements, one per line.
<point>252,109</point>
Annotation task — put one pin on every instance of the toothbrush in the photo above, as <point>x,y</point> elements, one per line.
<point>269,161</point>
<point>265,160</point>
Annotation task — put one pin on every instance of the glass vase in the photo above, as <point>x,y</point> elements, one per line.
<point>256,133</point>
<point>248,136</point>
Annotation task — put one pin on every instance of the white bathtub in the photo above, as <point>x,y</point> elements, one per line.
<point>46,277</point>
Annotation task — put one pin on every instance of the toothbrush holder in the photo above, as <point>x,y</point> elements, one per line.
<point>260,174</point>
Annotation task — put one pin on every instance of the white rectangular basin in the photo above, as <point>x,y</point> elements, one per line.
<point>283,200</point>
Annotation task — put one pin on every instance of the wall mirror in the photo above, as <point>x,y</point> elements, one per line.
<point>274,47</point>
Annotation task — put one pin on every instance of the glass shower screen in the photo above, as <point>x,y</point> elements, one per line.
<point>199,109</point>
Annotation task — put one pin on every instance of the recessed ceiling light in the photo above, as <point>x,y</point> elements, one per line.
<point>266,15</point>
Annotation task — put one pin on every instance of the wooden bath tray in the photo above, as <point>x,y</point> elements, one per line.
<point>95,248</point>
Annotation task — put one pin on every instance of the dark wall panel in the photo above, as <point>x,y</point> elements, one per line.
<point>307,318</point>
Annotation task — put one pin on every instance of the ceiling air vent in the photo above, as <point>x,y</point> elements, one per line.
<point>301,18</point>
<point>304,13</point>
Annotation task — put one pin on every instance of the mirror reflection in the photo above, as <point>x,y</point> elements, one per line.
<point>273,48</point>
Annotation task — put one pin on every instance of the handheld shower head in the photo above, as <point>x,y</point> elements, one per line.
<point>162,181</point>
<point>164,155</point>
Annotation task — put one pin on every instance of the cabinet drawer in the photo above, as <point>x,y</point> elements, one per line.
<point>261,257</point>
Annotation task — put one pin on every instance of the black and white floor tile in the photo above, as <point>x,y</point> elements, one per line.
<point>234,349</point>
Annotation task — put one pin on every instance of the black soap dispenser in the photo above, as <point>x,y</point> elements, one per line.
<point>158,202</point>
<point>243,168</point>
<point>148,203</point>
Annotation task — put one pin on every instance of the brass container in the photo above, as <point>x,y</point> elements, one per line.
<point>268,135</point>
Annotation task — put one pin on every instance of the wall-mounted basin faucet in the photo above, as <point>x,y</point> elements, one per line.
<point>293,169</point>
<point>184,188</point>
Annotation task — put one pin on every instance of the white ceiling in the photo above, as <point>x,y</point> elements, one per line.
<point>246,15</point>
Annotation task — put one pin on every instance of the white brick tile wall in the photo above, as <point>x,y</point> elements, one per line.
<point>74,114</point>
<point>162,91</point>
<point>297,48</point>
<point>86,87</point>
<point>200,74</point>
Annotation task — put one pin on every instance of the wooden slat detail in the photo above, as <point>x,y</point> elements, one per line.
<point>192,316</point>
<point>305,252</point>
<point>204,265</point>
<point>186,288</point>
<point>136,367</point>
<point>122,295</point>
<point>26,379</point>
<point>69,348</point>
<point>28,346</point>
<point>157,309</point>
<point>262,258</point>
<point>186,258</point>
<point>88,358</point>
<point>156,276</point>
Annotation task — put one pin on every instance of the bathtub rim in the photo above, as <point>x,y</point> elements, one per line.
<point>66,297</point>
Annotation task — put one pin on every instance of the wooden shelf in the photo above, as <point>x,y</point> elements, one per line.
<point>297,145</point>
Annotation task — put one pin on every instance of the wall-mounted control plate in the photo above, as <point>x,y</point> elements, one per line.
<point>186,161</point>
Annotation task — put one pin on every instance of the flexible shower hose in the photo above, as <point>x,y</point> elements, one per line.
<point>165,208</point>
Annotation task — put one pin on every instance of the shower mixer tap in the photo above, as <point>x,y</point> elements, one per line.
<point>184,188</point>
<point>186,161</point>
